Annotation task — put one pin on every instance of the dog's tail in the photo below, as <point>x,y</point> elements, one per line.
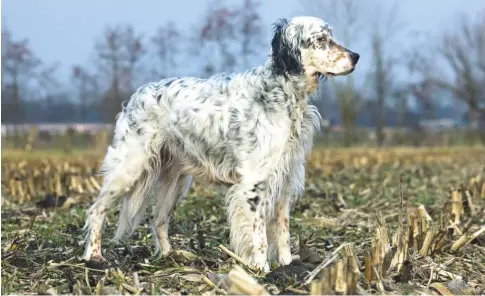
<point>148,133</point>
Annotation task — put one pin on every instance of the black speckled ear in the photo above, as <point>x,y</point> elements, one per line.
<point>286,60</point>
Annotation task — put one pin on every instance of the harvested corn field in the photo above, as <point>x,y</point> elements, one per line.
<point>371,221</point>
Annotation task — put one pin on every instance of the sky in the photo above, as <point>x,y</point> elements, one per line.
<point>64,30</point>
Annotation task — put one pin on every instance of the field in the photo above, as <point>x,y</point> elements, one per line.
<point>403,220</point>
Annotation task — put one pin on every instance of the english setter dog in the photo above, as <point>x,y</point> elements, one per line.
<point>251,131</point>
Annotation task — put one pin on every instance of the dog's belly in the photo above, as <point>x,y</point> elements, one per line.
<point>224,161</point>
<point>214,164</point>
<point>210,171</point>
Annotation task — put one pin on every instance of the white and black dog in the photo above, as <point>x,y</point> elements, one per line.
<point>251,131</point>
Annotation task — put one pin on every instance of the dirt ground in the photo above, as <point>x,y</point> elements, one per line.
<point>350,193</point>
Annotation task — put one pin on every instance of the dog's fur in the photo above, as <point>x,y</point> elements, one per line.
<point>250,130</point>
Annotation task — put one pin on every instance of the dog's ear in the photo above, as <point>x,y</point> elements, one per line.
<point>286,58</point>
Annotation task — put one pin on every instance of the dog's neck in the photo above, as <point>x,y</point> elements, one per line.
<point>305,83</point>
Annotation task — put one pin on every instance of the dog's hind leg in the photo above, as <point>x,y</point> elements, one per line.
<point>171,189</point>
<point>122,167</point>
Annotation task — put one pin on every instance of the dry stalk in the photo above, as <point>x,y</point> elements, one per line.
<point>466,239</point>
<point>243,283</point>
<point>340,278</point>
<point>209,283</point>
<point>401,251</point>
<point>471,206</point>
<point>425,218</point>
<point>233,255</point>
<point>340,283</point>
<point>325,263</point>
<point>440,288</point>
<point>428,240</point>
<point>456,205</point>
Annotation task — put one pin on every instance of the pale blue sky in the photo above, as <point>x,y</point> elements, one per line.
<point>64,30</point>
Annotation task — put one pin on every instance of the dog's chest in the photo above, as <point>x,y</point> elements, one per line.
<point>297,119</point>
<point>300,131</point>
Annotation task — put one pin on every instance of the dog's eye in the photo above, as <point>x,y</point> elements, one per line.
<point>321,39</point>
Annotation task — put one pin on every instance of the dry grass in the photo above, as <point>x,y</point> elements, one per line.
<point>372,221</point>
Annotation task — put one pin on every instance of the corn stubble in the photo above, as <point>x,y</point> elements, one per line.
<point>385,244</point>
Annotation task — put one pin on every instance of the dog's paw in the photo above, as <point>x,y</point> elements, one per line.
<point>97,262</point>
<point>94,258</point>
<point>284,257</point>
<point>265,268</point>
<point>262,266</point>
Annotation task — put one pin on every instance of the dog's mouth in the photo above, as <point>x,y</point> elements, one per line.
<point>330,74</point>
<point>321,75</point>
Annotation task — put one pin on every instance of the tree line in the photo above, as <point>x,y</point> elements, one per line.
<point>230,38</point>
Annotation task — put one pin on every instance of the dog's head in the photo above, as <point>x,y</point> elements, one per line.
<point>305,46</point>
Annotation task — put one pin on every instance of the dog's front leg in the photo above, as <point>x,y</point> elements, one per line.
<point>279,224</point>
<point>247,205</point>
<point>279,231</point>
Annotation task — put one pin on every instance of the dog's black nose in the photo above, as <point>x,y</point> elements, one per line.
<point>355,57</point>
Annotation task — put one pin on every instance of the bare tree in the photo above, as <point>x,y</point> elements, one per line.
<point>48,84</point>
<point>349,102</point>
<point>251,30</point>
<point>401,95</point>
<point>86,86</point>
<point>19,68</point>
<point>455,67</point>
<point>118,55</point>
<point>166,42</point>
<point>134,52</point>
<point>420,68</point>
<point>215,36</point>
<point>55,101</point>
<point>463,52</point>
<point>384,63</point>
<point>110,62</point>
